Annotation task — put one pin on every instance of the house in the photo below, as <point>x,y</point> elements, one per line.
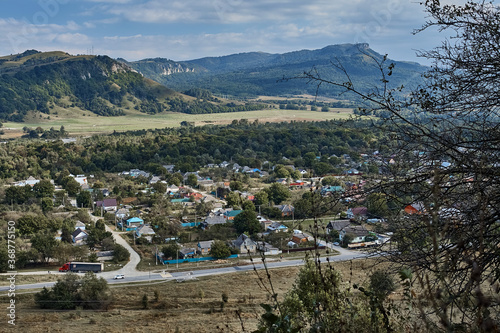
<point>138,173</point>
<point>187,252</point>
<point>122,213</point>
<point>79,236</point>
<point>31,181</point>
<point>230,215</point>
<point>264,222</point>
<point>357,213</point>
<point>297,185</point>
<point>172,189</point>
<point>329,190</point>
<point>277,227</point>
<point>206,184</point>
<point>353,172</point>
<point>301,237</point>
<point>337,225</point>
<point>80,225</point>
<point>267,248</point>
<point>204,247</point>
<point>133,223</point>
<point>213,220</point>
<point>169,168</point>
<point>107,204</point>
<point>358,232</point>
<point>81,179</point>
<point>415,208</point>
<point>154,180</point>
<point>196,195</point>
<point>281,181</point>
<point>244,244</point>
<point>145,231</point>
<point>286,210</point>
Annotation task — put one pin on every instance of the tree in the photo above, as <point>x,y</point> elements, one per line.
<point>89,292</point>
<point>170,250</point>
<point>70,185</point>
<point>84,199</point>
<point>94,292</point>
<point>219,250</point>
<point>246,221</point>
<point>192,180</point>
<point>445,134</point>
<point>44,189</point>
<point>120,253</point>
<point>45,243</point>
<point>30,224</point>
<point>261,198</point>
<point>278,193</point>
<point>47,204</point>
<point>376,204</point>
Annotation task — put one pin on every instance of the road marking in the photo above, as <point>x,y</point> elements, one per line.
<point>165,275</point>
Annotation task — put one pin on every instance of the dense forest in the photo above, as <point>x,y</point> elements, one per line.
<point>303,144</point>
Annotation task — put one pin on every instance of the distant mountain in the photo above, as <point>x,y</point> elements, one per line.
<point>45,82</point>
<point>258,73</point>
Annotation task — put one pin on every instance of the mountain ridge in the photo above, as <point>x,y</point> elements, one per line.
<point>257,73</point>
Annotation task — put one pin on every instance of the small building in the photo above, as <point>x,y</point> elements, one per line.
<point>80,225</point>
<point>213,220</point>
<point>107,204</point>
<point>145,231</point>
<point>286,210</point>
<point>357,213</point>
<point>133,223</point>
<point>300,237</point>
<point>415,208</point>
<point>358,232</point>
<point>337,225</point>
<point>267,248</point>
<point>79,236</point>
<point>244,244</point>
<point>122,213</point>
<point>187,252</point>
<point>204,247</point>
<point>230,215</point>
<point>277,227</point>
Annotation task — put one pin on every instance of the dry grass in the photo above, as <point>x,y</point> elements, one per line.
<point>83,123</point>
<point>191,306</point>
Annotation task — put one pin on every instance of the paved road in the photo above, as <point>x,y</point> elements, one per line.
<point>146,277</point>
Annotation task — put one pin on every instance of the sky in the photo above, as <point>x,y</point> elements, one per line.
<point>192,29</point>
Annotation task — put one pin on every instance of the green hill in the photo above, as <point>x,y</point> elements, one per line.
<point>258,73</point>
<point>36,81</point>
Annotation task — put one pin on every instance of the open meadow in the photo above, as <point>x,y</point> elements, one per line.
<point>85,123</point>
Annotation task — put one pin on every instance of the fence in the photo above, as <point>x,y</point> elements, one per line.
<point>193,259</point>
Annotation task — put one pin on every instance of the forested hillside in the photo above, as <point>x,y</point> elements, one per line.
<point>35,81</point>
<point>191,148</point>
<point>258,73</point>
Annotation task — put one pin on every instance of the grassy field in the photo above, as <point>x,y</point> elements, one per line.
<point>85,123</point>
<point>190,306</point>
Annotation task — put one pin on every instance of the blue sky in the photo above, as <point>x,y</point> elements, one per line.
<point>190,29</point>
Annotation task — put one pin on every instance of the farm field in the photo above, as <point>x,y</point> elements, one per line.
<point>81,124</point>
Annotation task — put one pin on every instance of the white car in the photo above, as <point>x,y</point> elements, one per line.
<point>119,276</point>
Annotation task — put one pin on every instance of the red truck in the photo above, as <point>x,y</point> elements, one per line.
<point>74,266</point>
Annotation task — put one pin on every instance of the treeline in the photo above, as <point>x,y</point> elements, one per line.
<point>303,144</point>
<point>203,106</point>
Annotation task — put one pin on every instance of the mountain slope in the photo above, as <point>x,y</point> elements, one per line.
<point>258,73</point>
<point>36,81</point>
